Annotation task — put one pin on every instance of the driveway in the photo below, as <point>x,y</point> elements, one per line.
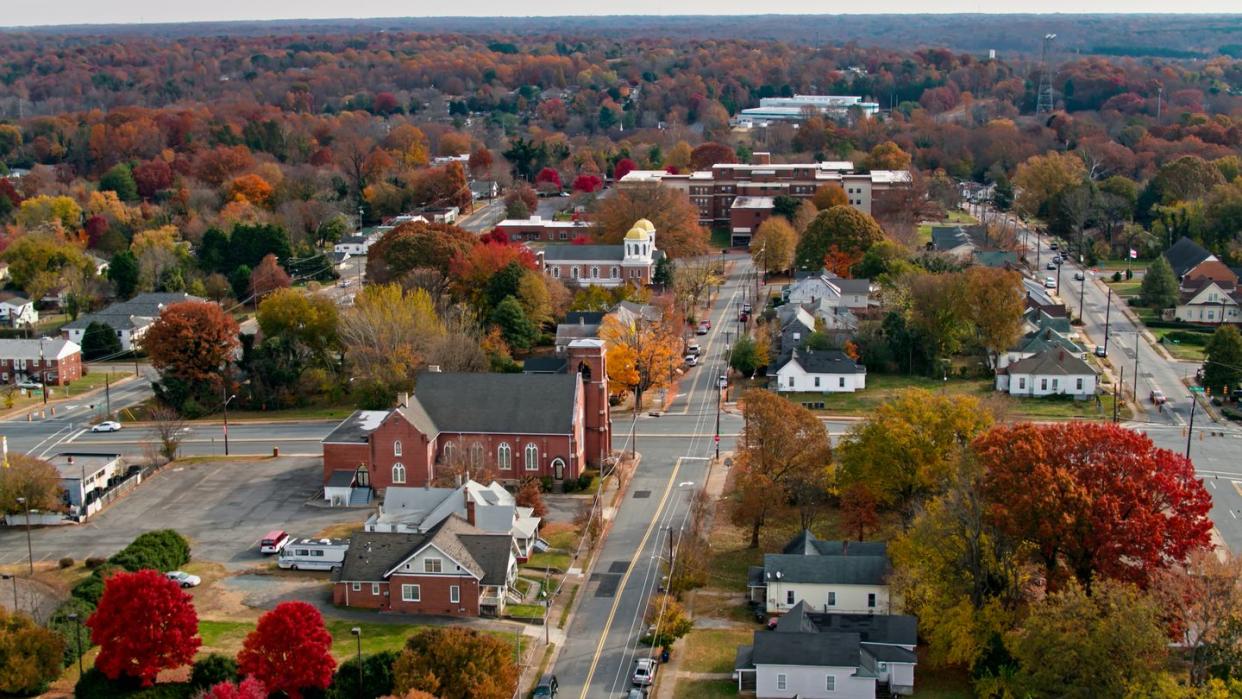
<point>223,507</point>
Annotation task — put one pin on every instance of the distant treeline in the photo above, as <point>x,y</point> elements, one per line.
<point>1156,51</point>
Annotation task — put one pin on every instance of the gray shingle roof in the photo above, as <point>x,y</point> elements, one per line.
<point>355,428</point>
<point>1185,255</point>
<point>807,544</point>
<point>136,312</point>
<point>371,555</point>
<point>827,570</point>
<point>889,654</point>
<point>825,362</point>
<point>583,253</point>
<point>497,403</point>
<point>1056,362</point>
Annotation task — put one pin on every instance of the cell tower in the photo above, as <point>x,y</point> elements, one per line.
<point>1044,102</point>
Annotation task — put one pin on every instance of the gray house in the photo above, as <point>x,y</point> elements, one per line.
<point>829,656</point>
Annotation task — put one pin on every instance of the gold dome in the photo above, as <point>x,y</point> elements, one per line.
<point>644,225</point>
<point>636,233</point>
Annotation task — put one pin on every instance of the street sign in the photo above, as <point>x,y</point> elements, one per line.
<point>1196,389</point>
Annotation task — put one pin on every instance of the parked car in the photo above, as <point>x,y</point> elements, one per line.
<point>1052,265</point>
<point>1053,246</point>
<point>702,328</point>
<point>743,317</point>
<point>1079,276</point>
<point>183,579</point>
<point>635,693</point>
<point>273,541</point>
<point>746,308</point>
<point>644,671</point>
<point>692,360</point>
<point>1157,397</point>
<point>1100,351</point>
<point>692,347</point>
<point>724,381</point>
<point>107,426</point>
<point>344,283</point>
<point>547,687</point>
<point>29,385</point>
<point>1050,283</point>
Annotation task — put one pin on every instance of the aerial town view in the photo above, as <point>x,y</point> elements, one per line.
<point>633,351</point>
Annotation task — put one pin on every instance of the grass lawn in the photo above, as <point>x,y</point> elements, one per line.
<point>1052,408</point>
<point>528,611</point>
<point>1123,288</point>
<point>312,412</point>
<point>227,636</point>
<point>556,561</point>
<point>90,382</point>
<point>1178,347</point>
<point>722,237</point>
<point>711,650</point>
<point>884,387</point>
<point>568,605</point>
<point>562,538</point>
<point>704,689</point>
<point>1113,265</point>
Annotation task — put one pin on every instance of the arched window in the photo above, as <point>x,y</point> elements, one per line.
<point>396,448</point>
<point>476,455</point>
<point>556,272</point>
<point>448,452</point>
<point>558,468</point>
<point>595,272</point>
<point>398,474</point>
<point>573,271</point>
<point>585,370</point>
<point>532,457</point>
<point>616,272</point>
<point>504,457</point>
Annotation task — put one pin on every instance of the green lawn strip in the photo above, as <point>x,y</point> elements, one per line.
<point>1120,265</point>
<point>552,560</point>
<point>884,387</point>
<point>711,650</point>
<point>1055,407</point>
<point>525,611</point>
<point>227,636</point>
<point>704,689</point>
<point>1124,288</point>
<point>568,605</point>
<point>728,567</point>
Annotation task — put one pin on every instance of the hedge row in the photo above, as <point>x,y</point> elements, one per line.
<point>162,550</point>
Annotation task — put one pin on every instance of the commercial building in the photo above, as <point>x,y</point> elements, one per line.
<point>799,107</point>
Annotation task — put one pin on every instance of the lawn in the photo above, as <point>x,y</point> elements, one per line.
<point>722,237</point>
<point>338,411</point>
<point>1054,408</point>
<point>711,650</point>
<point>90,382</point>
<point>882,388</point>
<point>704,689</point>
<point>227,636</point>
<point>1182,344</point>
<point>526,611</point>
<point>1120,265</point>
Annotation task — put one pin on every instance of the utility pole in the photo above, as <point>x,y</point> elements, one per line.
<point>718,400</point>
<point>1136,358</point>
<point>1108,308</point>
<point>226,418</point>
<point>42,374</point>
<point>29,547</point>
<point>1194,403</point>
<point>1082,290</point>
<point>1117,394</point>
<point>108,394</point>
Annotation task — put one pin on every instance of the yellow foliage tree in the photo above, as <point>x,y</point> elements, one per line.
<point>42,209</point>
<point>642,354</point>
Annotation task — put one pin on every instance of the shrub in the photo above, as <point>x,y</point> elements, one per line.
<point>162,550</point>
<point>65,562</point>
<point>69,630</point>
<point>91,589</point>
<point>376,677</point>
<point>584,481</point>
<point>212,670</point>
<point>95,562</point>
<point>1117,276</point>
<point>570,485</point>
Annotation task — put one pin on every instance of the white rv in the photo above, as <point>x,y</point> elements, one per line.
<point>313,554</point>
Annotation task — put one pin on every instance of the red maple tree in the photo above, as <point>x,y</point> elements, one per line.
<point>268,277</point>
<point>1093,499</point>
<point>623,167</point>
<point>249,688</point>
<point>289,651</point>
<point>144,623</point>
<point>587,183</point>
<point>548,178</point>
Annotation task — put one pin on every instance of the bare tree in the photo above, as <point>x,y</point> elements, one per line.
<point>169,426</point>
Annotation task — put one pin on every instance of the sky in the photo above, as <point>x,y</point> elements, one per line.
<point>28,12</point>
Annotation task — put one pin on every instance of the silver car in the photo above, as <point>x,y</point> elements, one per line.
<point>184,579</point>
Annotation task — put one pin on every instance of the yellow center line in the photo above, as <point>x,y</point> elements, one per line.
<point>616,602</point>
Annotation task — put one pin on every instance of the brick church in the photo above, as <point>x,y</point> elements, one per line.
<point>519,425</point>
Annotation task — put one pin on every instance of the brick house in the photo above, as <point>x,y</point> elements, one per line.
<point>630,262</point>
<point>455,569</point>
<point>52,361</point>
<point>520,425</point>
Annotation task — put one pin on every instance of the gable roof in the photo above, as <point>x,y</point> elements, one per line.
<point>583,253</point>
<point>1185,255</point>
<point>807,544</point>
<point>355,428</point>
<point>803,637</point>
<point>824,362</point>
<point>34,349</point>
<point>1051,362</point>
<point>134,313</point>
<point>373,556</point>
<point>806,559</point>
<point>494,403</point>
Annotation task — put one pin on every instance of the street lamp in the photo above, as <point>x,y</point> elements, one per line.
<point>226,422</point>
<point>357,633</point>
<point>77,632</point>
<point>29,548</point>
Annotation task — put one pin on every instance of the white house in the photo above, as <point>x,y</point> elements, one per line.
<point>828,290</point>
<point>128,319</point>
<point>356,244</point>
<point>829,656</point>
<point>489,507</point>
<point>1210,302</point>
<point>819,371</point>
<point>849,577</point>
<point>85,478</point>
<point>17,311</point>
<point>1052,372</point>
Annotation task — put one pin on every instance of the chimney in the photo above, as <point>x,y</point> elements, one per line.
<point>761,158</point>
<point>403,399</point>
<point>469,508</point>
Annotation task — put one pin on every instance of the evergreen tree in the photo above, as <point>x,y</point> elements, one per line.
<point>516,328</point>
<point>1223,369</point>
<point>120,179</point>
<point>99,340</point>
<point>1159,289</point>
<point>123,273</point>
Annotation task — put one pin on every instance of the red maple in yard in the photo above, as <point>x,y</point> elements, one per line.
<point>289,651</point>
<point>587,183</point>
<point>249,688</point>
<point>623,167</point>
<point>144,623</point>
<point>1095,500</point>
<point>548,178</point>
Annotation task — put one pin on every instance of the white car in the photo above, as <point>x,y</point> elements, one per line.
<point>29,385</point>
<point>184,579</point>
<point>644,671</point>
<point>107,426</point>
<point>1050,283</point>
<point>691,360</point>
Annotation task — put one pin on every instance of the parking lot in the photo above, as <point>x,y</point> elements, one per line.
<point>223,507</point>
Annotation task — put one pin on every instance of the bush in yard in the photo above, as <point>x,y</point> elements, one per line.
<point>453,662</point>
<point>65,562</point>
<point>95,685</point>
<point>162,550</point>
<point>376,677</point>
<point>95,561</point>
<point>69,630</point>
<point>91,589</point>
<point>249,688</point>
<point>212,670</point>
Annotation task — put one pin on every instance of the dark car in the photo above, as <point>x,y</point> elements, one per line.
<point>547,687</point>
